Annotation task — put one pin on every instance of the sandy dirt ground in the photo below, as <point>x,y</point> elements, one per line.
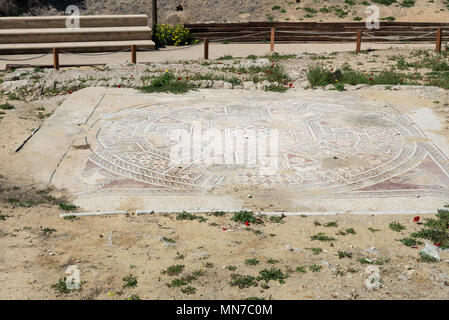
<point>107,249</point>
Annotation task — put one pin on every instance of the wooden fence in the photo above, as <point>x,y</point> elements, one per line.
<point>313,32</point>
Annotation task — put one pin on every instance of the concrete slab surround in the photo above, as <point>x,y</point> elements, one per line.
<point>304,151</point>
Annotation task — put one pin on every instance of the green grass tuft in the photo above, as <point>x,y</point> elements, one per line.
<point>130,281</point>
<point>396,226</point>
<point>168,83</point>
<point>321,236</point>
<point>6,106</point>
<point>245,216</point>
<point>173,270</point>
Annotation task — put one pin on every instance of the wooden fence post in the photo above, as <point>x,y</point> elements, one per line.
<point>359,41</point>
<point>56,58</point>
<point>439,38</point>
<point>133,54</point>
<point>272,40</point>
<point>206,48</point>
<point>154,11</point>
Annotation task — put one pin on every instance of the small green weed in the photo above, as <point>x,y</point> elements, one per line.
<point>130,281</point>
<point>173,270</point>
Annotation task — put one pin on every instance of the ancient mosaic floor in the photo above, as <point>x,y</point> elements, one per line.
<point>288,149</point>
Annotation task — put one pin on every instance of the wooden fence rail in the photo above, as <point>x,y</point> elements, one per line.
<point>292,32</point>
<point>313,32</point>
<point>310,32</point>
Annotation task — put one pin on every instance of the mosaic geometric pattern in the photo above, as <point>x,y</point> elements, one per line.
<point>346,152</point>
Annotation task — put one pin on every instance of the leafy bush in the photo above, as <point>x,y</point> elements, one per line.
<point>61,286</point>
<point>384,2</point>
<point>9,7</point>
<point>273,274</point>
<point>130,281</point>
<point>241,281</point>
<point>440,65</point>
<point>245,216</point>
<point>275,88</point>
<point>173,270</point>
<point>389,18</point>
<point>396,226</point>
<point>339,86</point>
<point>435,230</point>
<point>408,3</point>
<point>189,216</point>
<point>67,206</point>
<point>320,76</point>
<point>177,35</point>
<point>427,258</point>
<point>321,236</point>
<point>6,106</point>
<point>410,242</point>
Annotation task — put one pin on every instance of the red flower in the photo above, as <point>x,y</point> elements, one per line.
<point>438,244</point>
<point>370,79</point>
<point>132,76</point>
<point>179,78</point>
<point>415,247</point>
<point>290,85</point>
<point>119,86</point>
<point>187,78</point>
<point>224,229</point>
<point>69,92</point>
<point>246,223</point>
<point>416,219</point>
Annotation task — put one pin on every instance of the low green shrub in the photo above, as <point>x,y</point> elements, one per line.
<point>177,35</point>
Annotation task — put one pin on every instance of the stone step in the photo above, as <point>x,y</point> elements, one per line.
<point>85,21</point>
<point>94,46</point>
<point>46,35</point>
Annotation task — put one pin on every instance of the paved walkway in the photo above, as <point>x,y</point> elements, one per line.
<point>216,50</point>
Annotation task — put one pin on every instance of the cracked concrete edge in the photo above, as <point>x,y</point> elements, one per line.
<point>91,213</point>
<point>293,213</point>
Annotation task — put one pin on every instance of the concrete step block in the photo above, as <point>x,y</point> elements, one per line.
<point>73,35</point>
<point>94,21</point>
